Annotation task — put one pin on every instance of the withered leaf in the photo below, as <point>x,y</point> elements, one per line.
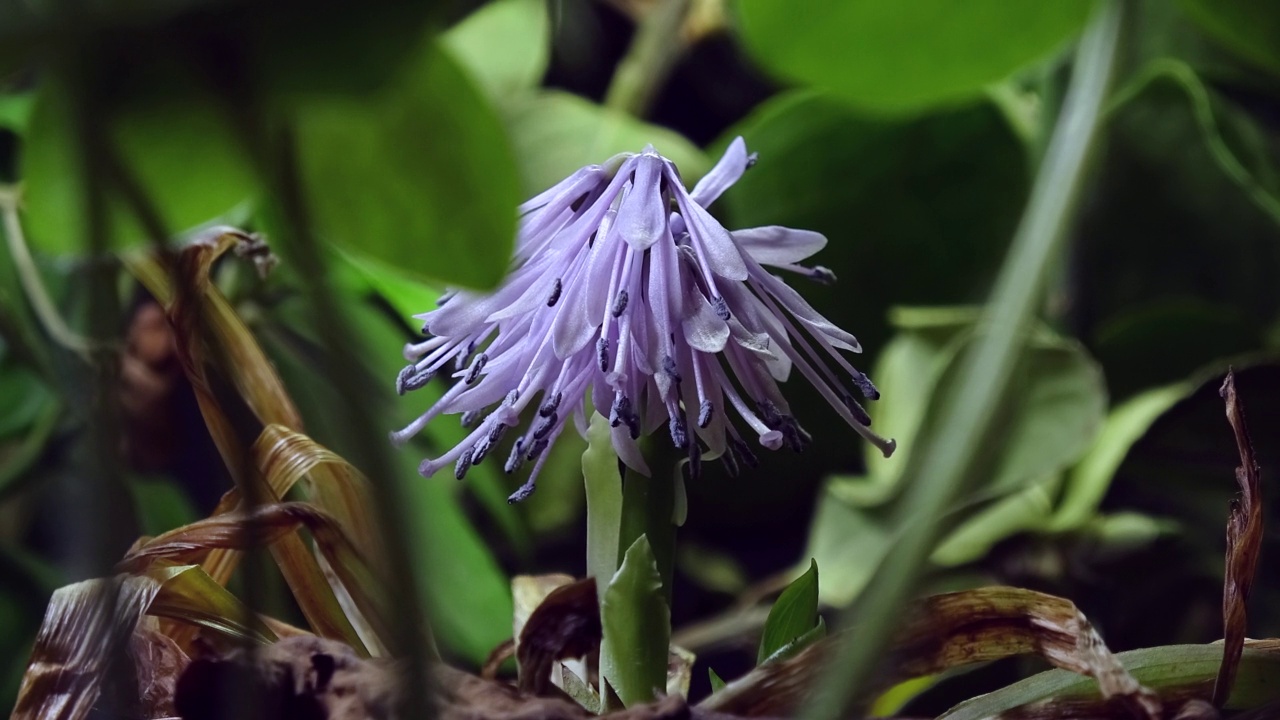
<point>952,630</point>
<point>1244,544</point>
<point>565,625</point>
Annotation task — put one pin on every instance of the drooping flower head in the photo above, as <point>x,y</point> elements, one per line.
<point>627,295</point>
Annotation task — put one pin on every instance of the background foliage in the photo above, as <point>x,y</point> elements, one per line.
<point>381,153</point>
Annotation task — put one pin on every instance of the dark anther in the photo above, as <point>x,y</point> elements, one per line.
<point>744,453</point>
<point>822,275</point>
<point>411,378</point>
<point>516,459</point>
<point>620,303</point>
<point>499,429</point>
<point>464,464</point>
<point>679,432</point>
<point>705,411</point>
<point>695,462</point>
<point>770,414</point>
<point>555,293</point>
<point>859,414</point>
<point>866,387</point>
<point>544,428</point>
<point>602,352</point>
<point>512,397</point>
<point>669,367</point>
<point>752,159</point>
<point>730,460</point>
<point>522,492</point>
<point>621,408</point>
<point>722,307</point>
<point>795,437</point>
<point>480,450</point>
<point>470,417</point>
<point>474,373</point>
<point>538,446</point>
<point>550,406</point>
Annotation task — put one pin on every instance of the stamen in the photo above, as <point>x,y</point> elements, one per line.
<point>411,378</point>
<point>695,462</point>
<point>822,275</point>
<point>555,293</point>
<point>550,407</point>
<point>620,303</point>
<point>602,353</point>
<point>544,428</point>
<point>705,411</point>
<point>679,432</point>
<point>516,459</point>
<point>469,417</point>
<point>721,307</point>
<point>669,367</point>
<point>474,373</point>
<point>464,464</point>
<point>865,386</point>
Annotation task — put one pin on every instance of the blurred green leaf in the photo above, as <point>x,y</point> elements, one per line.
<point>182,155</point>
<point>161,505</point>
<point>555,133</point>
<point>917,212</point>
<point>1051,420</point>
<point>637,622</point>
<point>407,295</point>
<point>1089,480</point>
<point>505,45</point>
<point>793,615</point>
<point>15,111</point>
<point>418,175</point>
<point>1172,666</point>
<point>25,396</point>
<point>1248,28</point>
<point>907,55</point>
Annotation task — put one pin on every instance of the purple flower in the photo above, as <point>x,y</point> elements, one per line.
<point>628,295</point>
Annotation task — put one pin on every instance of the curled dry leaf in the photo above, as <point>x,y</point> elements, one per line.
<point>565,625</point>
<point>1244,544</point>
<point>239,394</point>
<point>952,630</point>
<point>263,525</point>
<point>94,645</point>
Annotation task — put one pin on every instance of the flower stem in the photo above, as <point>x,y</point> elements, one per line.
<point>941,460</point>
<point>657,45</point>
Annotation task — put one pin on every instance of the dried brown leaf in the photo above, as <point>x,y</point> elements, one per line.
<point>951,630</point>
<point>1244,544</point>
<point>239,394</point>
<point>89,644</point>
<point>565,625</point>
<point>268,524</point>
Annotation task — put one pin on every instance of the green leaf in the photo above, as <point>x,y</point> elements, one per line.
<point>716,682</point>
<point>1170,666</point>
<point>419,175</point>
<point>505,45</point>
<point>917,212</point>
<point>1249,29</point>
<point>181,153</point>
<point>556,133</point>
<point>793,615</point>
<point>15,111</point>
<point>160,505</point>
<point>907,55</point>
<point>25,397</point>
<point>1090,479</point>
<point>604,502</point>
<point>407,295</point>
<point>637,622</point>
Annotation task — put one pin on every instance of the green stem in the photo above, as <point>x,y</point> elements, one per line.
<point>942,459</point>
<point>657,45</point>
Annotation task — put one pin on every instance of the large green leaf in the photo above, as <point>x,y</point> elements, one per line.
<point>637,627</point>
<point>906,55</point>
<point>917,212</point>
<point>505,45</point>
<point>1250,29</point>
<point>419,175</point>
<point>1051,418</point>
<point>181,153</point>
<point>794,614</point>
<point>556,133</point>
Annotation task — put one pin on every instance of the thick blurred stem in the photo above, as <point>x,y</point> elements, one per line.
<point>940,462</point>
<point>658,44</point>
